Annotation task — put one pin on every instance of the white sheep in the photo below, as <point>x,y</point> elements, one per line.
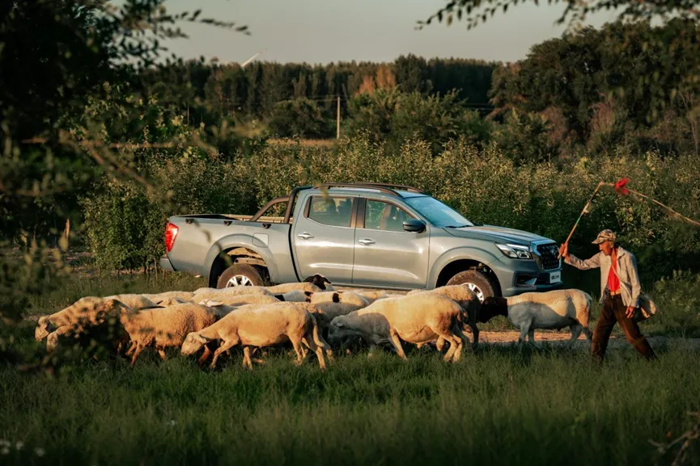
<point>85,312</point>
<point>287,287</point>
<point>164,327</point>
<point>159,298</point>
<point>545,310</point>
<point>214,294</point>
<point>134,301</point>
<point>336,303</point>
<point>418,319</point>
<point>466,298</point>
<point>87,317</point>
<point>260,326</point>
<point>239,300</point>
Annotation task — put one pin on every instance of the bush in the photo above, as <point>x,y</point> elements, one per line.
<point>487,186</point>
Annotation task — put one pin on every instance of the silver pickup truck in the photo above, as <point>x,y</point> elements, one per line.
<point>361,235</point>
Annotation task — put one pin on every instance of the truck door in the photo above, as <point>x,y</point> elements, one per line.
<point>324,236</point>
<point>385,254</point>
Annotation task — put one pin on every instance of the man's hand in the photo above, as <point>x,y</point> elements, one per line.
<point>630,311</point>
<point>564,250</point>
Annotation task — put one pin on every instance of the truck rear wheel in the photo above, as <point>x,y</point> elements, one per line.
<point>479,283</point>
<point>240,275</point>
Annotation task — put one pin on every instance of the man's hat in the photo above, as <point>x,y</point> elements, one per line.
<point>603,236</point>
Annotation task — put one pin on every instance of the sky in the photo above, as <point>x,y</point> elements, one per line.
<point>324,31</point>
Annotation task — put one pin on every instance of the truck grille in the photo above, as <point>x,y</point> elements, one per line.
<point>548,256</point>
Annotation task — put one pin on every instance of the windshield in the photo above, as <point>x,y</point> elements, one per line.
<point>438,213</point>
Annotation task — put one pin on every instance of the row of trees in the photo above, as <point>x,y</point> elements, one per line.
<point>592,89</point>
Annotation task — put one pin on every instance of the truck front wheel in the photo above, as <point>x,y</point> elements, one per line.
<point>240,275</point>
<point>479,283</point>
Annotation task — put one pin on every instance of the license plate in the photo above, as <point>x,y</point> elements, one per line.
<point>555,277</point>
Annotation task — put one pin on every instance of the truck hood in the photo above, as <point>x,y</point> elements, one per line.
<point>496,234</point>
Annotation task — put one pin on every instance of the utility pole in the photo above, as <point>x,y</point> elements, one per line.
<point>337,130</point>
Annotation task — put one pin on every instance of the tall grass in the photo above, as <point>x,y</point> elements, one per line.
<point>499,406</point>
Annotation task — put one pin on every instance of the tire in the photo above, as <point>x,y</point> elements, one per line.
<point>240,275</point>
<point>477,281</point>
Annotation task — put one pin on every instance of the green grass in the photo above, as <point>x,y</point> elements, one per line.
<point>496,407</point>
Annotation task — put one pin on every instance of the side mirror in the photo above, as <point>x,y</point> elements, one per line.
<point>414,225</point>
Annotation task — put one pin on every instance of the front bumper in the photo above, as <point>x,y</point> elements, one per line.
<point>166,265</point>
<point>516,277</point>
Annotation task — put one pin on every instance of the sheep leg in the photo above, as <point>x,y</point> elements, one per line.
<point>531,337</point>
<point>440,344</point>
<point>137,351</point>
<point>397,344</point>
<point>132,348</point>
<point>205,356</point>
<point>161,353</point>
<point>464,339</point>
<point>319,352</point>
<point>588,334</point>
<point>455,351</point>
<point>298,349</point>
<point>575,332</point>
<point>524,330</point>
<point>246,357</point>
<point>225,345</point>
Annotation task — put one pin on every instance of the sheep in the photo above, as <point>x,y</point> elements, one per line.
<point>287,287</point>
<point>260,326</point>
<point>87,311</point>
<point>163,327</point>
<point>134,301</point>
<point>216,293</point>
<point>466,298</point>
<point>417,319</point>
<point>238,300</point>
<point>336,303</point>
<point>547,310</point>
<point>88,318</point>
<point>159,298</point>
<point>372,296</point>
<point>293,296</point>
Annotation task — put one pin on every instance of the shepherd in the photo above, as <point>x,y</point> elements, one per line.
<point>620,291</point>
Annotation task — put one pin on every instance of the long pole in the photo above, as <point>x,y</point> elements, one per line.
<point>337,129</point>
<point>582,213</point>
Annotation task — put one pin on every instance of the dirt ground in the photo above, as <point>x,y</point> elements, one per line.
<point>560,338</point>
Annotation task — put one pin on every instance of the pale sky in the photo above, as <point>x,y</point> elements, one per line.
<point>323,31</point>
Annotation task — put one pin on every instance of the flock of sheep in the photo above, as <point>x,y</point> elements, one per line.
<point>309,315</point>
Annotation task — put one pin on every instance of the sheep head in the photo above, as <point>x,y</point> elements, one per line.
<point>320,281</point>
<point>492,307</point>
<point>193,343</point>
<point>44,328</point>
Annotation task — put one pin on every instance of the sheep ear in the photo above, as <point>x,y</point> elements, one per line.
<point>308,279</point>
<point>280,297</point>
<point>308,293</point>
<point>336,298</point>
<point>199,338</point>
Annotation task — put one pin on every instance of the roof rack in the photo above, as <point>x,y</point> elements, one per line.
<point>383,187</point>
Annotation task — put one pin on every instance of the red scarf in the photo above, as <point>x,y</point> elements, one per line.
<point>613,280</point>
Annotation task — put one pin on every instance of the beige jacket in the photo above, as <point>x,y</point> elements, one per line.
<point>630,288</point>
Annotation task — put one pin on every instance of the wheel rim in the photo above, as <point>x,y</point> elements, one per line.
<point>477,291</point>
<point>239,280</point>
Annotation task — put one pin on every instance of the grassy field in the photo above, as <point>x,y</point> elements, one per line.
<point>500,405</point>
<point>496,406</point>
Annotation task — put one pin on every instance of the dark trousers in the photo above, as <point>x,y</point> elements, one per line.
<point>614,311</point>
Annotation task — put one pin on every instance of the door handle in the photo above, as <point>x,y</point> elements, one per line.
<point>305,235</point>
<point>366,241</point>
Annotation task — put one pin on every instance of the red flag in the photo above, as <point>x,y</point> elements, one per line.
<point>620,187</point>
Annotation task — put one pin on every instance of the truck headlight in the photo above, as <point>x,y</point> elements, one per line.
<point>515,251</point>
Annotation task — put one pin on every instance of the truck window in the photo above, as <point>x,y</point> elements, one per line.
<point>334,211</point>
<point>384,216</point>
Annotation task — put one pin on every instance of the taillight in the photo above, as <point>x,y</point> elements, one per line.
<point>170,235</point>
